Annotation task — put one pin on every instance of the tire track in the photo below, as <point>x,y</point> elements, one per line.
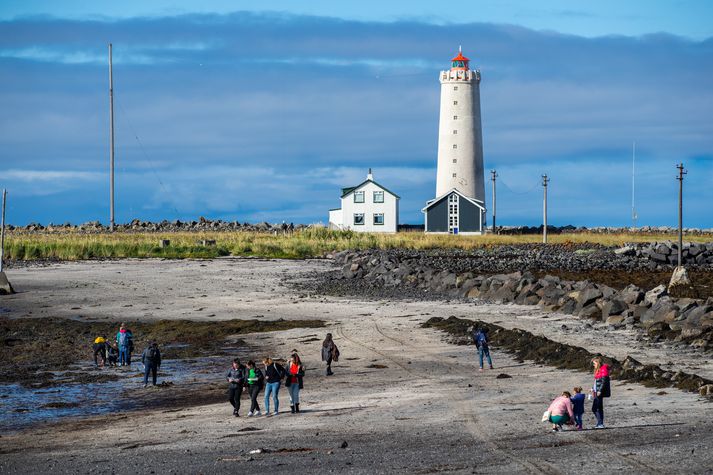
<point>627,459</point>
<point>463,406</point>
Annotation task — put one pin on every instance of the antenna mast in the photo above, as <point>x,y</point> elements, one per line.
<point>111,140</point>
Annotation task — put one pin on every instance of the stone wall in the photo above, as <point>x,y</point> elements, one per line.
<point>662,316</point>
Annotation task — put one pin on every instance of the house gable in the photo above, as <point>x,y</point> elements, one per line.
<point>347,191</point>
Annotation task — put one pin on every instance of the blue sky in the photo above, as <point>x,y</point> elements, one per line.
<point>229,112</point>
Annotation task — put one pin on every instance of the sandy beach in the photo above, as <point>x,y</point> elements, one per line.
<point>403,398</point>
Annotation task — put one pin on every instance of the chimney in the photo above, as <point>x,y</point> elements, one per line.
<point>369,176</point>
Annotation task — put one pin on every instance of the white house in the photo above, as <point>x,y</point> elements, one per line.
<point>367,207</point>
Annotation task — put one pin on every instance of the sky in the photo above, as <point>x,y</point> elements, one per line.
<point>231,112</point>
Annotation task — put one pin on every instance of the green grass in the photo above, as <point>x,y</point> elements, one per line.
<point>313,242</point>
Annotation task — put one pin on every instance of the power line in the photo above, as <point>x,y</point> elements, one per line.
<point>148,159</point>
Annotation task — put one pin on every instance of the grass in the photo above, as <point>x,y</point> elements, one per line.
<point>313,242</point>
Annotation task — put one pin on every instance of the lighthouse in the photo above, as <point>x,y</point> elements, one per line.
<point>459,206</point>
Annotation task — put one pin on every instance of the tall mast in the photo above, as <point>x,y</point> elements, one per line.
<point>111,140</point>
<point>633,185</point>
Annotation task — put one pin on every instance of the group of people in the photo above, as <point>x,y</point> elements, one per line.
<point>118,352</point>
<point>568,409</point>
<point>251,378</point>
<point>114,352</point>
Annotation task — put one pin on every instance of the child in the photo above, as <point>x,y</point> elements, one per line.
<point>578,406</point>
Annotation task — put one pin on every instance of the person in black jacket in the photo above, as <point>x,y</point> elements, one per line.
<point>293,381</point>
<point>273,377</point>
<point>330,352</point>
<point>254,380</point>
<point>151,358</point>
<point>236,378</point>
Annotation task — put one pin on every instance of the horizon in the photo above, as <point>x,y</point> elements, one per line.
<point>262,116</point>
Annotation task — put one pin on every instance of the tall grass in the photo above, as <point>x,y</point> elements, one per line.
<point>312,242</point>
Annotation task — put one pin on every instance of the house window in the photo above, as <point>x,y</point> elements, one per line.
<point>455,145</point>
<point>455,88</point>
<point>358,196</point>
<point>455,103</point>
<point>378,219</point>
<point>455,117</point>
<point>378,197</point>
<point>358,219</point>
<point>455,132</point>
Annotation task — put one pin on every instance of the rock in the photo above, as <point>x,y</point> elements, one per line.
<point>503,376</point>
<point>654,294</point>
<point>615,320</point>
<point>625,251</point>
<point>591,311</point>
<point>587,296</point>
<point>662,311</point>
<point>679,278</point>
<point>706,390</point>
<point>613,307</point>
<point>473,293</point>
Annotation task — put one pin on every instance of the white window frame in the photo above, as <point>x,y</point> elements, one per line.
<point>374,219</point>
<point>362,219</point>
<point>378,193</point>
<point>359,194</point>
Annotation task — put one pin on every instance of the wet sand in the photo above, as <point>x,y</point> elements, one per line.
<point>428,410</point>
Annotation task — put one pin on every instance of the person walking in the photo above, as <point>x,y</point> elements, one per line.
<point>561,411</point>
<point>124,340</point>
<point>293,381</point>
<point>99,350</point>
<point>600,390</point>
<point>255,379</point>
<point>151,358</point>
<point>330,352</point>
<point>481,340</point>
<point>236,378</point>
<point>273,377</point>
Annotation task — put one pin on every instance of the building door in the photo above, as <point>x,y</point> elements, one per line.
<point>453,214</point>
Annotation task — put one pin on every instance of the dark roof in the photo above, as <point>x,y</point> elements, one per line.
<point>432,202</point>
<point>347,191</point>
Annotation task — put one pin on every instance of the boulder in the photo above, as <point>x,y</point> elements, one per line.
<point>653,295</point>
<point>615,320</point>
<point>631,294</point>
<point>613,307</point>
<point>679,278</point>
<point>587,296</point>
<point>590,311</point>
<point>664,310</point>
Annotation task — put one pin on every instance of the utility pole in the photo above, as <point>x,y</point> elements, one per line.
<point>634,216</point>
<point>2,231</point>
<point>681,172</point>
<point>493,176</point>
<point>111,140</point>
<point>545,180</point>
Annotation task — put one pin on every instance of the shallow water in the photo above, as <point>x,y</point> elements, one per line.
<point>21,407</point>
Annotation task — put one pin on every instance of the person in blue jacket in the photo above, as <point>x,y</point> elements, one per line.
<point>481,340</point>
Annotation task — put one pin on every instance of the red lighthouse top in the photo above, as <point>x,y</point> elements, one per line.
<point>460,62</point>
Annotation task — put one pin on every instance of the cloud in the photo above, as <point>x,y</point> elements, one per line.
<point>268,114</point>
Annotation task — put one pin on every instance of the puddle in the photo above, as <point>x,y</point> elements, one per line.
<point>22,407</point>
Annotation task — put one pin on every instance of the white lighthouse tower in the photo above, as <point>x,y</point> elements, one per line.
<point>459,206</point>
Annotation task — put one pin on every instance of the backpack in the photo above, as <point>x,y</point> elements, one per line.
<point>481,339</point>
<point>122,340</point>
<point>152,354</point>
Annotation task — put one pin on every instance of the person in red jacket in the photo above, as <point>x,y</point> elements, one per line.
<point>600,390</point>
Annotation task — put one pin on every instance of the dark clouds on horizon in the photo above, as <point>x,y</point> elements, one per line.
<point>264,116</point>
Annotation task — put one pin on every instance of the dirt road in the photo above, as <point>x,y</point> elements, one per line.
<point>403,398</point>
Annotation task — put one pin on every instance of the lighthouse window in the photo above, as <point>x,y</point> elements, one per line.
<point>455,88</point>
<point>454,175</point>
<point>358,219</point>
<point>358,196</point>
<point>455,160</point>
<point>455,103</point>
<point>455,117</point>
<point>455,132</point>
<point>379,219</point>
<point>378,197</point>
<point>455,145</point>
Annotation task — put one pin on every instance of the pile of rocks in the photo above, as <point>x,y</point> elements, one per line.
<point>666,252</point>
<point>688,320</point>
<point>569,229</point>
<point>136,225</point>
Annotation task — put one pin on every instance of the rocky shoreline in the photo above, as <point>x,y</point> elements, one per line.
<point>491,277</point>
